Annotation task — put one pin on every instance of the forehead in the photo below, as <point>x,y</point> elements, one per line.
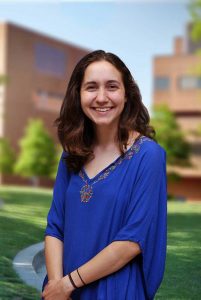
<point>101,70</point>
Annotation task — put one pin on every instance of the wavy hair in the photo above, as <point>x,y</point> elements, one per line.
<point>75,129</point>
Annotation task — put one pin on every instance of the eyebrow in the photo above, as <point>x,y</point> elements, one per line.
<point>94,82</point>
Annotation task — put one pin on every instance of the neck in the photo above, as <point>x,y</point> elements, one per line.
<point>106,136</point>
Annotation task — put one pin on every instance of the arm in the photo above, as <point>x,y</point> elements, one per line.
<point>54,265</point>
<point>55,234</point>
<point>109,260</point>
<point>53,257</point>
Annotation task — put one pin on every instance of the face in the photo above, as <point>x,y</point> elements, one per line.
<point>102,93</point>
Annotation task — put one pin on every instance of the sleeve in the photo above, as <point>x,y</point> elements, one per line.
<point>55,218</point>
<point>146,214</point>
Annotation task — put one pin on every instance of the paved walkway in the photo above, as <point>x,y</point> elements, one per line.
<point>30,265</point>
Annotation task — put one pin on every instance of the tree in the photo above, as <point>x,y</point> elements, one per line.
<point>57,158</point>
<point>3,79</point>
<point>7,157</point>
<point>37,154</point>
<point>169,136</point>
<point>199,130</point>
<point>195,11</point>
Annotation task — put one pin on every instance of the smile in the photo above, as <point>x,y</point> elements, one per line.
<point>102,109</point>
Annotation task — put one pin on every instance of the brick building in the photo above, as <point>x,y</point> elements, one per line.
<point>37,68</point>
<point>177,83</point>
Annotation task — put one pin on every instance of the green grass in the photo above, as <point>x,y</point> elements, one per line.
<point>22,223</point>
<point>183,267</point>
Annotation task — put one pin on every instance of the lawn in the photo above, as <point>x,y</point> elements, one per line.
<point>22,223</point>
<point>183,268</point>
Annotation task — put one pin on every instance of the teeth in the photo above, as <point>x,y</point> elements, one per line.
<point>103,109</point>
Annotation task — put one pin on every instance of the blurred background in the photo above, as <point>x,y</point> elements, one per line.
<point>40,43</point>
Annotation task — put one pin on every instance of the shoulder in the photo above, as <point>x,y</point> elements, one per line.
<point>150,159</point>
<point>149,152</point>
<point>64,155</point>
<point>151,148</point>
<point>62,162</point>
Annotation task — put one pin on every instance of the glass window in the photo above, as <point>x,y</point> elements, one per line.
<point>50,60</point>
<point>190,82</point>
<point>199,82</point>
<point>161,83</point>
<point>44,96</point>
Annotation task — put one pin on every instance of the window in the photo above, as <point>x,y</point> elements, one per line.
<point>196,148</point>
<point>50,60</point>
<point>44,96</point>
<point>189,82</point>
<point>199,82</point>
<point>161,83</point>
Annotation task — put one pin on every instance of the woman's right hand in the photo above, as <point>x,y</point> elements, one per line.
<point>59,289</point>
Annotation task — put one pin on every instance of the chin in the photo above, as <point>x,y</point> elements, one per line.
<point>104,123</point>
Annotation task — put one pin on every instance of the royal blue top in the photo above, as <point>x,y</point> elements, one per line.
<point>126,201</point>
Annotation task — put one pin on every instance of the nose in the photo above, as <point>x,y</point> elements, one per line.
<point>101,96</point>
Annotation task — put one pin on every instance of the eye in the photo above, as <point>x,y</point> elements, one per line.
<point>91,88</point>
<point>112,87</point>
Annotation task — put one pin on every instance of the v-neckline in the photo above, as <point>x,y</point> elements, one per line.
<point>112,163</point>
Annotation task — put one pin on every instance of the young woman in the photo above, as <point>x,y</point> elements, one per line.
<point>106,228</point>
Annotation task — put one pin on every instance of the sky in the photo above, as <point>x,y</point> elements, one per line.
<point>134,30</point>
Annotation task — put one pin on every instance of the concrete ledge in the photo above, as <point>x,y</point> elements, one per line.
<point>29,264</point>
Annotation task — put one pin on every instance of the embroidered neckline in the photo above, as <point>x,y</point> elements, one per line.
<point>86,191</point>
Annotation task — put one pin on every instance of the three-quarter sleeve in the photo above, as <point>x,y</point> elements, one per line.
<point>145,217</point>
<point>55,218</point>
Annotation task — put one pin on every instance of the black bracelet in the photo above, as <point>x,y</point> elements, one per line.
<point>81,277</point>
<point>71,280</point>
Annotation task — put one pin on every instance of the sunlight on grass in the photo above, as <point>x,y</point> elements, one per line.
<point>22,223</point>
<point>184,207</point>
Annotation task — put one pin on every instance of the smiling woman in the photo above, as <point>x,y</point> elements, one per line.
<point>102,93</point>
<point>106,228</point>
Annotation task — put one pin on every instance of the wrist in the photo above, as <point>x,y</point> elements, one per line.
<point>67,284</point>
<point>55,278</point>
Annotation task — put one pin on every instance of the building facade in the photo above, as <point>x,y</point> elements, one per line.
<point>37,69</point>
<point>177,83</point>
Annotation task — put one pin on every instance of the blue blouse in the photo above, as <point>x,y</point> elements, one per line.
<point>126,201</point>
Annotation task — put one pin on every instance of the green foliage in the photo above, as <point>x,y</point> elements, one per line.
<point>3,79</point>
<point>199,130</point>
<point>58,156</point>
<point>7,157</point>
<point>37,155</point>
<point>195,11</point>
<point>169,135</point>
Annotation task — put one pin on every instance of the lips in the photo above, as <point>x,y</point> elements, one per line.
<point>102,109</point>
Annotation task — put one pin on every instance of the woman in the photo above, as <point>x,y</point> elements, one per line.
<point>106,230</point>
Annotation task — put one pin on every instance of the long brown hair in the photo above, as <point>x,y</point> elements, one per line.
<point>75,129</point>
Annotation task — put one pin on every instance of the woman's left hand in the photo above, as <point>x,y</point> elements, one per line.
<point>57,289</point>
